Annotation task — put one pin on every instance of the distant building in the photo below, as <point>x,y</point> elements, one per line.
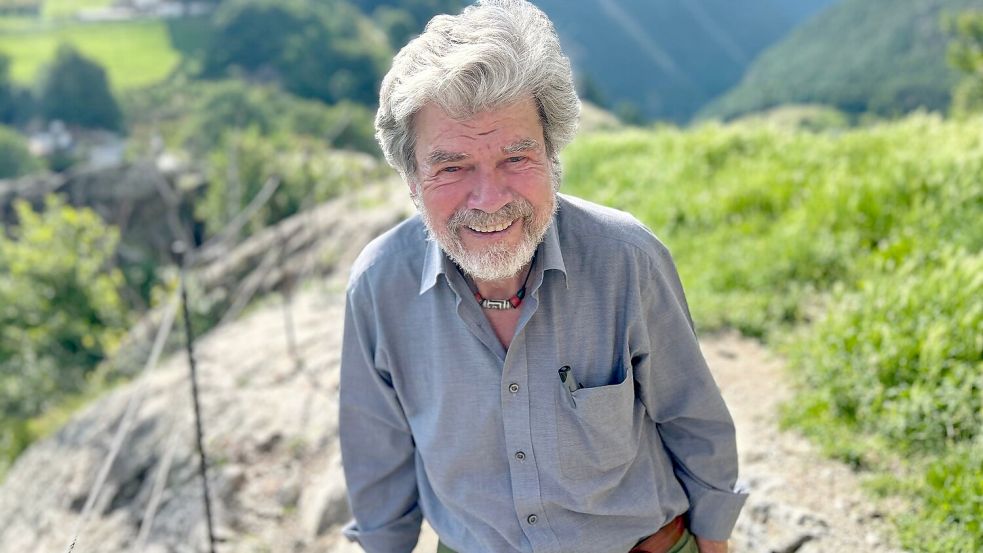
<point>96,149</point>
<point>125,10</point>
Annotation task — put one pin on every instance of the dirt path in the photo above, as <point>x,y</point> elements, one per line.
<point>800,502</point>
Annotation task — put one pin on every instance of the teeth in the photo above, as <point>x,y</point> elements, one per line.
<point>495,228</point>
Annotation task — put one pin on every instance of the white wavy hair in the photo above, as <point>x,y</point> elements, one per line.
<point>494,53</point>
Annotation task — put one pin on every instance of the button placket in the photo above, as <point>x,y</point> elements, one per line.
<point>523,467</point>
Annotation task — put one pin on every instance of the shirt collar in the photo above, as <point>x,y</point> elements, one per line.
<point>436,263</point>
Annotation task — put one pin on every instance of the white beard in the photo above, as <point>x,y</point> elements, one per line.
<point>499,261</point>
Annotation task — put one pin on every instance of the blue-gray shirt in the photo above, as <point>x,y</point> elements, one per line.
<point>439,420</point>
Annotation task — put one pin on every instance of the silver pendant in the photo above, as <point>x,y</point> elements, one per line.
<point>496,304</point>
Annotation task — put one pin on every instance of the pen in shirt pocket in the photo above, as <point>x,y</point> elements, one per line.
<point>567,378</point>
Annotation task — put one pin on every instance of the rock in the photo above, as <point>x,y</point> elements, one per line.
<point>324,502</point>
<point>270,429</point>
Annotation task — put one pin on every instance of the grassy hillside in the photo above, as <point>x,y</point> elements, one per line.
<point>883,56</point>
<point>134,53</point>
<point>858,254</point>
<point>669,58</point>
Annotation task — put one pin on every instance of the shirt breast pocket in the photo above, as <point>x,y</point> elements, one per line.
<point>598,428</point>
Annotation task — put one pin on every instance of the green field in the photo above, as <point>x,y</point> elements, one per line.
<point>135,54</point>
<point>857,254</point>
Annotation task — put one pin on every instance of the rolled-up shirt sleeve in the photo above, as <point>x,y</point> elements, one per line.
<point>377,448</point>
<point>683,400</point>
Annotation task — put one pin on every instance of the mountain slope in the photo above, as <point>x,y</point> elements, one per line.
<point>669,58</point>
<point>882,56</point>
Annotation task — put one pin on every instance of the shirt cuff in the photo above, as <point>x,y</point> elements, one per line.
<point>399,537</point>
<point>712,512</point>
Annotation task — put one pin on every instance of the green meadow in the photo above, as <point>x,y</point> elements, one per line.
<point>857,254</point>
<point>135,54</point>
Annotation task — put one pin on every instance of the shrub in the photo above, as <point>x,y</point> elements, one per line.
<point>15,159</point>
<point>196,115</point>
<point>60,311</point>
<point>309,174</point>
<point>966,55</point>
<point>901,356</point>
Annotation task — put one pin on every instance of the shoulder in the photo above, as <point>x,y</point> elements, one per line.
<point>587,228</point>
<point>394,258</point>
<point>608,247</point>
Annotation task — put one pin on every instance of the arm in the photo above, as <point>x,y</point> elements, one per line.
<point>376,445</point>
<point>682,398</point>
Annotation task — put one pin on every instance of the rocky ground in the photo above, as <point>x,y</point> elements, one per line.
<point>269,407</point>
<point>800,502</point>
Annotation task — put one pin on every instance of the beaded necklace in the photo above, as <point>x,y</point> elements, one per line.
<point>512,303</point>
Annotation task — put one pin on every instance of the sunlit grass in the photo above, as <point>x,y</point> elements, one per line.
<point>857,253</point>
<point>134,54</point>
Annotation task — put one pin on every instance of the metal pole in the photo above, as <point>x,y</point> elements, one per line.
<point>199,434</point>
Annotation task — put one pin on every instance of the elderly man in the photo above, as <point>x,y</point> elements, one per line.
<point>519,367</point>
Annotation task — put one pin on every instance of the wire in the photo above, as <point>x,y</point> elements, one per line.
<point>126,421</point>
<point>192,257</point>
<point>199,433</point>
<point>160,483</point>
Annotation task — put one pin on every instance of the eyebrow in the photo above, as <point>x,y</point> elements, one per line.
<point>437,157</point>
<point>523,145</point>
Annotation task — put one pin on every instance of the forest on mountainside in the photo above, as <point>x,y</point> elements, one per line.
<point>666,60</point>
<point>876,57</point>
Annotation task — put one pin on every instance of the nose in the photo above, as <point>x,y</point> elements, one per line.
<point>489,192</point>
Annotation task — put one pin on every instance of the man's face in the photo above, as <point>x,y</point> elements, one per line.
<point>485,189</point>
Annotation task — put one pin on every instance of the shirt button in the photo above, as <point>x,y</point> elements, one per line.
<point>514,388</point>
<point>531,519</point>
<point>520,455</point>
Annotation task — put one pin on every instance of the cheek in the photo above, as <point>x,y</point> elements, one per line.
<point>440,204</point>
<point>537,187</point>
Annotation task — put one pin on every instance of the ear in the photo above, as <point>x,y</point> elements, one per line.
<point>413,184</point>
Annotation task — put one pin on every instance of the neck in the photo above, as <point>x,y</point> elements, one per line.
<point>504,288</point>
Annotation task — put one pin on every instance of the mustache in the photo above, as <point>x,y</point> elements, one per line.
<point>511,211</point>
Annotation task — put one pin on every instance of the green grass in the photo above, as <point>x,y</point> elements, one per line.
<point>135,54</point>
<point>856,253</point>
<point>14,24</point>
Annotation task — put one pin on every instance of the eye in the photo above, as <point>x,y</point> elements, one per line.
<point>451,169</point>
<point>516,159</point>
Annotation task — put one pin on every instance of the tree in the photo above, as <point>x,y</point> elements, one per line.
<point>403,19</point>
<point>75,90</point>
<point>966,55</point>
<point>15,159</point>
<point>61,312</point>
<point>321,50</point>
<point>16,103</point>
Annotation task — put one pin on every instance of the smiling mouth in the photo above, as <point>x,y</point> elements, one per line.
<point>491,229</point>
